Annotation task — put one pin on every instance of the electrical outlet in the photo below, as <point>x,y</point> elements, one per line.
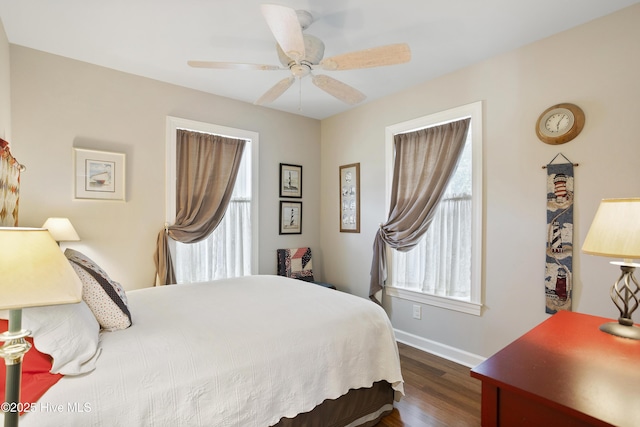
<point>417,312</point>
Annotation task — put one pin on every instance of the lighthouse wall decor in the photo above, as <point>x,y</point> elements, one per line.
<point>559,251</point>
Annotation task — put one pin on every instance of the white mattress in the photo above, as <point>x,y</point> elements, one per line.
<point>239,352</point>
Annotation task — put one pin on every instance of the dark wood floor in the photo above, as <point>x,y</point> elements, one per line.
<point>437,393</point>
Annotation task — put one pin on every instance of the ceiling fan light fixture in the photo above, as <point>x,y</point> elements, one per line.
<point>300,70</point>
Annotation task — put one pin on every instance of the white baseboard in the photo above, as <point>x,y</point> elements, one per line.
<point>442,350</point>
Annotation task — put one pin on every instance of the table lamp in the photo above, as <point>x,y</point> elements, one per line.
<point>33,272</point>
<point>61,230</point>
<point>615,232</point>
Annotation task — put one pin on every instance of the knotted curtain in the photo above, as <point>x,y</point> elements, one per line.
<point>207,167</point>
<point>425,160</point>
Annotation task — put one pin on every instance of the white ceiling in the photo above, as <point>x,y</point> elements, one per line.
<point>155,38</point>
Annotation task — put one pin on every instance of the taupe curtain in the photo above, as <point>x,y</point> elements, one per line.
<point>424,162</point>
<point>207,167</point>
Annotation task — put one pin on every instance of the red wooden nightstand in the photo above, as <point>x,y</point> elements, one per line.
<point>564,372</point>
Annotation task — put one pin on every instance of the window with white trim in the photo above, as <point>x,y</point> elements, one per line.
<point>444,269</point>
<point>231,250</point>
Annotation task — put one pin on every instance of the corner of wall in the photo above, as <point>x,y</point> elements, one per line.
<point>5,85</point>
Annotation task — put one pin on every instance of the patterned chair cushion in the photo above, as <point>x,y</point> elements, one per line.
<point>296,263</point>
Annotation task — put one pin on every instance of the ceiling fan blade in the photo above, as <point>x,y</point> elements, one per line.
<point>285,26</point>
<point>336,88</point>
<point>277,90</point>
<point>232,65</point>
<point>375,57</point>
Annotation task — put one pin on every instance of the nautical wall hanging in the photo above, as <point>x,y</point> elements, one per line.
<point>559,252</point>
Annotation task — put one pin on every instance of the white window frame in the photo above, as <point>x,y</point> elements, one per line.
<point>473,110</point>
<point>175,123</point>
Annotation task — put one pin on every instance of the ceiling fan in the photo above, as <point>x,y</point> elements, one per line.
<point>303,53</point>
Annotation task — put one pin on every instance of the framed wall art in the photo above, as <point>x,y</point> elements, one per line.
<point>99,174</point>
<point>350,198</point>
<point>290,180</point>
<point>290,217</point>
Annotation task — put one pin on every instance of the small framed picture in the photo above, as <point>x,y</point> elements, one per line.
<point>290,217</point>
<point>290,180</point>
<point>99,174</point>
<point>350,198</point>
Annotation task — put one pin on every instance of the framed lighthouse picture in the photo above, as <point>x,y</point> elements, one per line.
<point>290,180</point>
<point>559,250</point>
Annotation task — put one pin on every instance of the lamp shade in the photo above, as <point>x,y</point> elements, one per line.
<point>61,229</point>
<point>615,230</point>
<point>34,271</point>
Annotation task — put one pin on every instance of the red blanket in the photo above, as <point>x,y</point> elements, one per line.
<point>36,378</point>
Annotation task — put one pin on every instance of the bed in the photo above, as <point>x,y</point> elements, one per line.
<point>254,351</point>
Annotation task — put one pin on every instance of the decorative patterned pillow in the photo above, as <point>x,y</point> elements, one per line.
<point>105,297</point>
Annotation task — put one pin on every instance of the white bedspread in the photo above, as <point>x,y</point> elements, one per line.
<point>240,352</point>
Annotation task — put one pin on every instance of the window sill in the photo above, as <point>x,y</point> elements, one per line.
<point>436,301</point>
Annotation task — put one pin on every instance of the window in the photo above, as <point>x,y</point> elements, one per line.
<point>445,268</point>
<point>232,248</point>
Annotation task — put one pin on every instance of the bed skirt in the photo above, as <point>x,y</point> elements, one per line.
<point>363,407</point>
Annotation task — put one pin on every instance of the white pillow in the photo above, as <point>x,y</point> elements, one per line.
<point>69,333</point>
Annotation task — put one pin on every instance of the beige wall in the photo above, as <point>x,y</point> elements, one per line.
<point>595,66</point>
<point>5,87</point>
<point>60,103</point>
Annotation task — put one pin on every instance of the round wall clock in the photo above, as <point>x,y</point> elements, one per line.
<point>560,123</point>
